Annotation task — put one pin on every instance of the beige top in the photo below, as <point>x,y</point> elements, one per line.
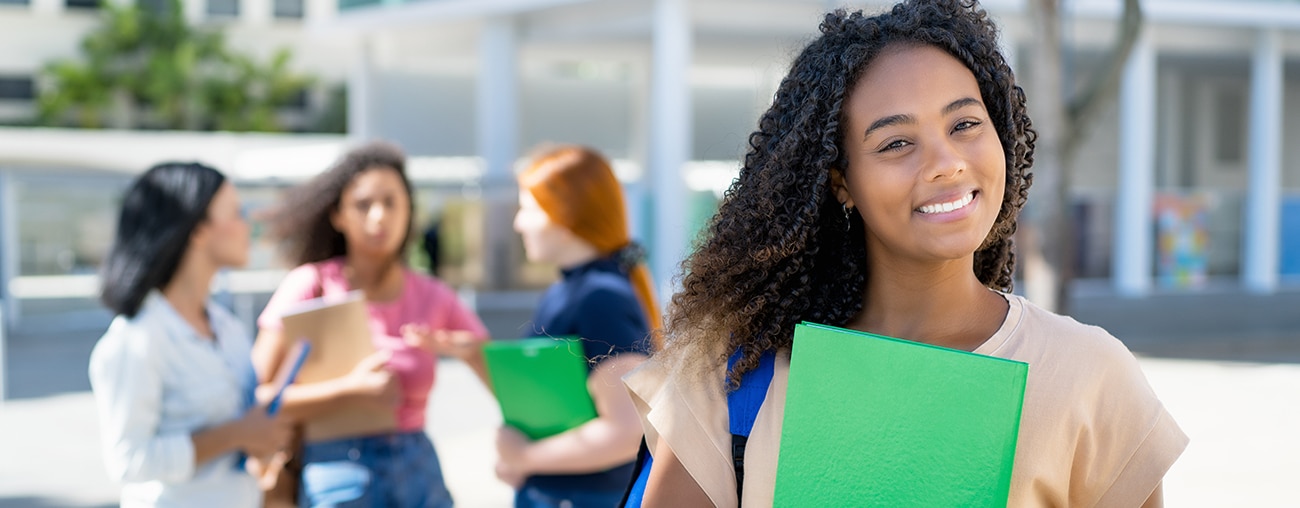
<point>1092,432</point>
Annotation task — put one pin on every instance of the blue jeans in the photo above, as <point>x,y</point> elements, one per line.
<point>533,497</point>
<point>398,470</point>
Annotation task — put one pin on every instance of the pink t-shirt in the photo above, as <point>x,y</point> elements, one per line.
<point>424,300</point>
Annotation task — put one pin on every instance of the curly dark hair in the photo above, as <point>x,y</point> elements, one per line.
<point>303,220</point>
<point>776,253</point>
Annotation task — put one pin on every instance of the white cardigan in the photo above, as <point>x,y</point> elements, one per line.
<point>156,382</point>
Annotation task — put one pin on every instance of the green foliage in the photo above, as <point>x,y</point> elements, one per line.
<point>150,69</point>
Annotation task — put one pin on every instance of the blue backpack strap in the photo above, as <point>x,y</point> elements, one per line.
<point>742,409</point>
<point>636,491</point>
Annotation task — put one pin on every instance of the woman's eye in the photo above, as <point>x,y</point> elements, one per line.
<point>894,145</point>
<point>965,124</point>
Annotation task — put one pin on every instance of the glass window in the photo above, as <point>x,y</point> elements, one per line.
<point>82,4</point>
<point>288,9</point>
<point>223,8</point>
<point>65,221</point>
<point>156,6</point>
<point>17,88</point>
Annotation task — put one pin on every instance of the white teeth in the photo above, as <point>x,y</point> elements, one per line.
<point>948,207</point>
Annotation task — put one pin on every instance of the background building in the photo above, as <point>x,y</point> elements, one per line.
<point>1192,151</point>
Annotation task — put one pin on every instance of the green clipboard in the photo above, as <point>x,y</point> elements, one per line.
<point>877,421</point>
<point>540,384</point>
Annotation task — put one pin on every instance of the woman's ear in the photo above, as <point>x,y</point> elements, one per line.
<point>335,219</point>
<point>841,188</point>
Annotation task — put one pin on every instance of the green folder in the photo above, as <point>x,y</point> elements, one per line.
<point>541,384</point>
<point>876,421</point>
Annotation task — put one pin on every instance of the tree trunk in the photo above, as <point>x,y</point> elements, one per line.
<point>1049,241</point>
<point>1041,244</point>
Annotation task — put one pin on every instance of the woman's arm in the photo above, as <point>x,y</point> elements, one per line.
<point>1157,498</point>
<point>670,485</point>
<point>256,434</point>
<point>370,382</point>
<point>611,439</point>
<point>129,393</point>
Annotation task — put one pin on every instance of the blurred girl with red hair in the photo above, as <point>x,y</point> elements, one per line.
<point>572,214</point>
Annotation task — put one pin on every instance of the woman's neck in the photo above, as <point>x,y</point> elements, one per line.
<point>188,292</point>
<point>943,304</point>
<point>380,279</point>
<point>575,255</point>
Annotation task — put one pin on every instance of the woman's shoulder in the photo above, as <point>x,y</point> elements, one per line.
<point>686,369</point>
<point>1065,335</point>
<point>605,288</point>
<point>139,337</point>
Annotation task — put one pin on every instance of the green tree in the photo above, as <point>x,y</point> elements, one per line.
<point>151,69</point>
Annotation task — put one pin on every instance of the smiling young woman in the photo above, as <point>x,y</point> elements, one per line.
<point>880,193</point>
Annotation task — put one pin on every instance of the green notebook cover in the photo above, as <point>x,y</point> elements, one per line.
<point>541,384</point>
<point>876,421</point>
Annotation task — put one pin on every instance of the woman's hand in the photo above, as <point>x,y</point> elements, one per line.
<point>458,344</point>
<point>512,465</point>
<point>372,382</point>
<point>261,435</point>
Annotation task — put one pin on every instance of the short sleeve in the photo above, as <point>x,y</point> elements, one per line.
<point>1132,441</point>
<point>301,283</point>
<point>611,322</point>
<point>128,387</point>
<point>448,313</point>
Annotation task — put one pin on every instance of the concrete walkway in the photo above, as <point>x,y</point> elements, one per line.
<point>1242,418</point>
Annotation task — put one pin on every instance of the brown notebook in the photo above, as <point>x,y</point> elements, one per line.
<point>338,328</point>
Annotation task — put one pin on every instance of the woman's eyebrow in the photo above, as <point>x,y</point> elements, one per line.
<point>904,118</point>
<point>961,103</point>
<point>886,122</point>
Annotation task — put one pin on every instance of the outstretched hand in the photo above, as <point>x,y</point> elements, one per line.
<point>458,344</point>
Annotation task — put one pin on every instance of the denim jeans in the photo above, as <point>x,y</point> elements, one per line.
<point>398,470</point>
<point>533,497</point>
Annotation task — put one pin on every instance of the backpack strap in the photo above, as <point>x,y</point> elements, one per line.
<point>635,492</point>
<point>742,409</point>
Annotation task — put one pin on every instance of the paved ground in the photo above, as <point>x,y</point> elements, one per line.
<point>1233,393</point>
<point>1242,418</point>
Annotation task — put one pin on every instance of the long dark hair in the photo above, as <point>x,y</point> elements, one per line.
<point>303,221</point>
<point>777,253</point>
<point>160,211</point>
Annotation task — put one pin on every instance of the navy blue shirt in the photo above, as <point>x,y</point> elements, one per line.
<point>596,302</point>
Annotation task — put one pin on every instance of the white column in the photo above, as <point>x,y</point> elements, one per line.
<point>1171,139</point>
<point>256,12</point>
<point>498,97</point>
<point>360,84</point>
<point>319,11</point>
<point>8,269</point>
<point>194,11</point>
<point>1134,193</point>
<point>498,144</point>
<point>1259,260</point>
<point>49,8</point>
<point>639,224</point>
<point>670,136</point>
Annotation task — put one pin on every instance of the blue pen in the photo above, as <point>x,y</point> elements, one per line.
<point>302,348</point>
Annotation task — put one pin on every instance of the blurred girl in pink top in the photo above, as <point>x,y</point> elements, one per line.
<point>347,229</point>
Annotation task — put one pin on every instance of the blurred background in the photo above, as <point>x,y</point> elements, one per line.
<point>1166,205</point>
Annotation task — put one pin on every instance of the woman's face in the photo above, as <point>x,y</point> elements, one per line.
<point>926,169</point>
<point>544,240</point>
<point>374,213</point>
<point>226,231</point>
